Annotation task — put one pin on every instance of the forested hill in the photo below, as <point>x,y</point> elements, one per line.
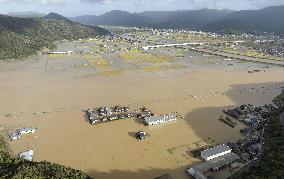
<point>21,37</point>
<point>269,19</point>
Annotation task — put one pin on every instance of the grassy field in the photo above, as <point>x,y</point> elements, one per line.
<point>254,54</point>
<point>142,57</point>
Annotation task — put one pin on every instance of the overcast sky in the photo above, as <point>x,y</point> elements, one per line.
<point>81,7</point>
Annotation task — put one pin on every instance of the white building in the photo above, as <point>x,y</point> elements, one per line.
<point>27,155</point>
<point>154,120</point>
<point>58,53</point>
<point>215,152</point>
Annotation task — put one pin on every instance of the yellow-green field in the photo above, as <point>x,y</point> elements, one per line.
<point>261,55</point>
<point>142,57</point>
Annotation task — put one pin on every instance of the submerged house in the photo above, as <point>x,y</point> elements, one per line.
<point>103,111</point>
<point>93,118</point>
<point>154,120</point>
<point>119,109</point>
<point>18,133</point>
<point>140,135</point>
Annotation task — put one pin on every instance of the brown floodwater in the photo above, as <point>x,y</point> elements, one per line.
<point>53,102</point>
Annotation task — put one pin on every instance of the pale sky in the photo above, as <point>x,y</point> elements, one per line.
<point>95,7</point>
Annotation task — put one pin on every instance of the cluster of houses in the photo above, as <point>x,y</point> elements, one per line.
<point>27,155</point>
<point>269,44</point>
<point>250,148</point>
<point>244,150</point>
<point>115,48</point>
<point>107,114</point>
<point>253,116</point>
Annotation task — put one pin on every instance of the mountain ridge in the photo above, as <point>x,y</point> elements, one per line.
<point>268,19</point>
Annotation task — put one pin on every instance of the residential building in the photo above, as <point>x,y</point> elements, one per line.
<point>27,155</point>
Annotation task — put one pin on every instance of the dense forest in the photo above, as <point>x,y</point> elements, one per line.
<point>269,19</point>
<point>271,164</point>
<point>21,37</point>
<point>18,168</point>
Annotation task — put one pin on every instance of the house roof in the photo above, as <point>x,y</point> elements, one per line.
<point>216,150</point>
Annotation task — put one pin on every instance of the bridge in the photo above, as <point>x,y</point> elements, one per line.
<point>171,45</point>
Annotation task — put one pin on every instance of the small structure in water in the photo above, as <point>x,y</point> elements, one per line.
<point>144,112</point>
<point>141,135</point>
<point>27,155</point>
<point>18,133</point>
<point>107,114</point>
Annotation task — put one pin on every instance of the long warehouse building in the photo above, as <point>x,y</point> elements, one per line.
<point>215,152</point>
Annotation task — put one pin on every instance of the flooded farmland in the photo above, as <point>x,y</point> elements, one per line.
<point>50,92</point>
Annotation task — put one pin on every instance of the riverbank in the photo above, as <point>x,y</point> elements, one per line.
<point>14,168</point>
